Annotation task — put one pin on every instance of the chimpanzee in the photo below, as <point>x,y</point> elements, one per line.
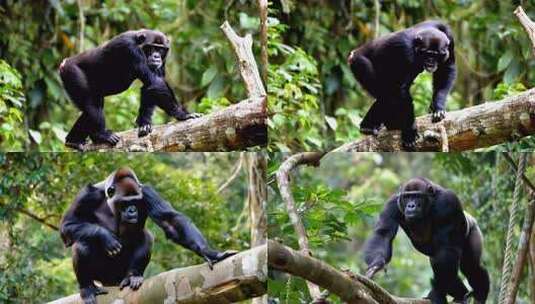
<point>433,219</point>
<point>105,226</point>
<point>386,68</point>
<point>110,69</point>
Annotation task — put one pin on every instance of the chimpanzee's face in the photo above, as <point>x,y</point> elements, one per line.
<point>155,46</point>
<point>128,212</point>
<point>415,200</point>
<point>431,48</point>
<point>155,55</point>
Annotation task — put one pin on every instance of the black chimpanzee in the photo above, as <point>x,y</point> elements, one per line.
<point>110,69</point>
<point>387,66</point>
<point>433,219</point>
<point>105,226</point>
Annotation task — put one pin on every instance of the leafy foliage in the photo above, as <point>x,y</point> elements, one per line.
<point>12,135</point>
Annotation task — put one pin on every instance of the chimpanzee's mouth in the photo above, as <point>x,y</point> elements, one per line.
<point>131,219</point>
<point>411,216</point>
<point>430,67</point>
<point>154,62</point>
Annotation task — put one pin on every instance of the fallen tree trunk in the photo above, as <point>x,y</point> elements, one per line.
<point>240,277</point>
<point>352,289</point>
<point>479,126</point>
<point>233,128</point>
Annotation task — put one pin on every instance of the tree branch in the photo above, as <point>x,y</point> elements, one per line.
<point>236,127</point>
<point>528,25</point>
<point>263,7</point>
<point>283,179</point>
<point>243,48</point>
<point>237,278</point>
<point>475,127</point>
<point>352,289</point>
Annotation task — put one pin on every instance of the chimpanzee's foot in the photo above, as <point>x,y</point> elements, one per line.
<point>88,294</point>
<point>408,140</point>
<point>106,137</point>
<point>144,130</point>
<point>370,130</point>
<point>79,146</point>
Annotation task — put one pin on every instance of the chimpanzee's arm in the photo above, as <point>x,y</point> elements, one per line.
<point>444,77</point>
<point>76,226</point>
<point>378,248</point>
<point>443,80</point>
<point>179,227</point>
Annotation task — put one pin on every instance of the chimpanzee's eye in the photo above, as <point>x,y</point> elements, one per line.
<point>110,191</point>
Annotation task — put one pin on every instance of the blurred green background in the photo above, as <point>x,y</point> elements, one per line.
<point>35,36</point>
<point>316,104</point>
<point>37,188</point>
<point>340,200</point>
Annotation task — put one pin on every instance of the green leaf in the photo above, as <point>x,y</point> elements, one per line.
<point>36,136</point>
<point>512,72</point>
<point>505,60</point>
<point>208,76</point>
<point>331,121</point>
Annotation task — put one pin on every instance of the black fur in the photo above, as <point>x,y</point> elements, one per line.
<point>386,68</point>
<point>110,69</point>
<point>438,228</point>
<point>110,249</point>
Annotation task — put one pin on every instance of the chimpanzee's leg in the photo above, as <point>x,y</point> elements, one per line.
<point>84,257</point>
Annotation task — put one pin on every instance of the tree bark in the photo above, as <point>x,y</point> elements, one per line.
<point>283,179</point>
<point>352,288</point>
<point>475,127</point>
<point>257,201</point>
<point>237,278</point>
<point>236,127</point>
<point>263,8</point>
<point>531,278</point>
<point>528,25</point>
<point>243,48</point>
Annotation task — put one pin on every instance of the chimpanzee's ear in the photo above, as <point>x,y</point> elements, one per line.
<point>140,38</point>
<point>431,189</point>
<point>418,40</point>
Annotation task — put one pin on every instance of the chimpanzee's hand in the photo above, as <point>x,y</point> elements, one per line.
<point>144,130</point>
<point>111,244</point>
<point>375,266</point>
<point>193,115</point>
<point>437,114</point>
<point>211,260</point>
<point>133,281</point>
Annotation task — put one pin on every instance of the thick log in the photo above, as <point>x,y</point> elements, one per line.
<point>479,126</point>
<point>234,128</point>
<point>240,277</point>
<point>352,288</point>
